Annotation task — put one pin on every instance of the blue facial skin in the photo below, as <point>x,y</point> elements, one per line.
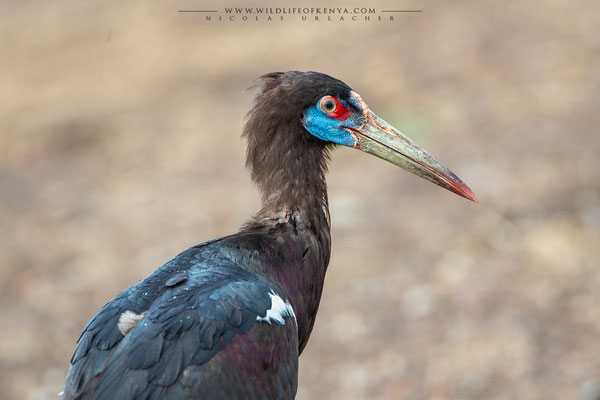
<point>327,128</point>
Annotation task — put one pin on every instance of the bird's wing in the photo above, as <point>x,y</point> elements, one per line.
<point>159,346</point>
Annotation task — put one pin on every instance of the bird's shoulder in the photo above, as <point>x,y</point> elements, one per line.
<point>180,315</point>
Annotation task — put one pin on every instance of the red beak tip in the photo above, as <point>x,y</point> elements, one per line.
<point>464,191</point>
<point>469,195</point>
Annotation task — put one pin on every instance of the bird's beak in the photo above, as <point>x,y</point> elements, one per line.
<point>377,137</point>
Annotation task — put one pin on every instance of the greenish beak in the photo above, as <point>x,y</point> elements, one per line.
<point>377,137</point>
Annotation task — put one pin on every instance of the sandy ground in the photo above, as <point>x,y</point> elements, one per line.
<point>120,146</point>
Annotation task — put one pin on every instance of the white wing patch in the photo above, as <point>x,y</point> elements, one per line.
<point>279,309</point>
<point>128,320</point>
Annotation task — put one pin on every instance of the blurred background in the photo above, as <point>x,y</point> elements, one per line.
<point>120,146</point>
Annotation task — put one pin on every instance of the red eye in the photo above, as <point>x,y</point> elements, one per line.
<point>332,107</point>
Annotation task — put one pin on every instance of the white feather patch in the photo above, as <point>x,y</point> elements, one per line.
<point>279,309</point>
<point>128,320</point>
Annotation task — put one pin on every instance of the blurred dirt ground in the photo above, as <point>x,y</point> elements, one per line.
<point>120,146</point>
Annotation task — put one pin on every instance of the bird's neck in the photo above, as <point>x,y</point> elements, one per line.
<point>295,215</point>
<point>291,178</point>
<point>300,197</point>
<point>289,170</point>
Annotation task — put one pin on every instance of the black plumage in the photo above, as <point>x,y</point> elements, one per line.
<point>194,306</point>
<point>227,319</point>
<point>210,295</point>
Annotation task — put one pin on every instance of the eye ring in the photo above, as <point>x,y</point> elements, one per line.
<point>328,104</point>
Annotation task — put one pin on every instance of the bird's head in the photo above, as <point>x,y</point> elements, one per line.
<point>332,112</point>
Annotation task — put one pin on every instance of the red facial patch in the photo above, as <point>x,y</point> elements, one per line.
<point>341,113</point>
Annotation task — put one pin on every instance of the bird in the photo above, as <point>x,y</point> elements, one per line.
<point>228,318</point>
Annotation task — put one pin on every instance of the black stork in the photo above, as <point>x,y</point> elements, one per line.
<point>227,319</point>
